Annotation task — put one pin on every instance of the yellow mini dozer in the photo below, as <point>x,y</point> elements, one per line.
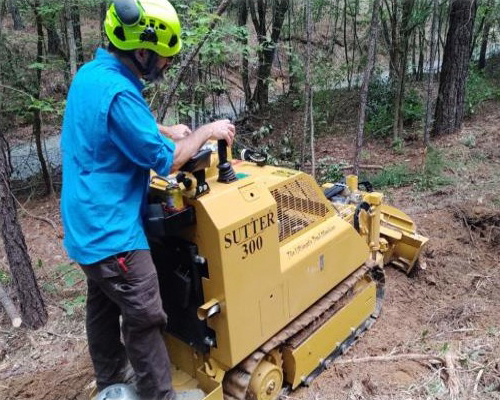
<point>265,276</point>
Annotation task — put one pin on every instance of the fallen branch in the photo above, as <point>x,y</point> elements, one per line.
<point>453,381</point>
<point>463,217</point>
<point>366,166</point>
<point>10,308</point>
<point>448,362</point>
<point>40,218</point>
<point>476,383</point>
<point>397,357</point>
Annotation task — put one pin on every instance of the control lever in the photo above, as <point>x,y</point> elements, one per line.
<point>226,171</point>
<point>182,178</point>
<point>201,183</point>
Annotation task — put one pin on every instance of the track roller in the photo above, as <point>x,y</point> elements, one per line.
<point>266,381</point>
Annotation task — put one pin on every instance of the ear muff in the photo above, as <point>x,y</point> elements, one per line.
<point>128,12</point>
<point>144,24</point>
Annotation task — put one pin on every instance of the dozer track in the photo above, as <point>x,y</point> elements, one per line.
<point>236,381</point>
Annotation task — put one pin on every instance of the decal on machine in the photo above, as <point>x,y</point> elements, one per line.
<point>248,236</point>
<point>285,173</point>
<point>299,248</point>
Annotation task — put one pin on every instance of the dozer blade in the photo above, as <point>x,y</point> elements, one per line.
<point>404,241</point>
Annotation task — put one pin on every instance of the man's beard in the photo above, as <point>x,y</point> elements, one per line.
<point>156,76</point>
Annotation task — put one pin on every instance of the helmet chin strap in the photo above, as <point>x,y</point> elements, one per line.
<point>150,72</point>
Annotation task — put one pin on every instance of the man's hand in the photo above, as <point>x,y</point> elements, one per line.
<point>175,132</point>
<point>188,146</point>
<point>222,129</point>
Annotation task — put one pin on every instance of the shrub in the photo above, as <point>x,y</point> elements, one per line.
<point>478,90</point>
<point>380,108</point>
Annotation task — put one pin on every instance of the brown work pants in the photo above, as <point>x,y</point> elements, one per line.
<point>128,289</point>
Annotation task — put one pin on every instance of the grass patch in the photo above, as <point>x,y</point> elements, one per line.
<point>393,176</point>
<point>4,277</point>
<point>400,175</point>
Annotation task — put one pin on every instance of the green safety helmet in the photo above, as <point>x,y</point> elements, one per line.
<point>144,24</point>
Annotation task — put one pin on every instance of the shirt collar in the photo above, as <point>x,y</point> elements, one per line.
<point>106,57</point>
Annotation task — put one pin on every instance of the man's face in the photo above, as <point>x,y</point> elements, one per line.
<point>162,63</point>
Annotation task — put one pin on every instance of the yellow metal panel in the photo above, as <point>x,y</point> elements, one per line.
<point>260,283</point>
<point>397,217</point>
<point>239,239</point>
<point>391,233</point>
<point>212,389</point>
<point>187,370</point>
<point>182,355</point>
<point>272,311</point>
<point>300,362</point>
<point>320,258</point>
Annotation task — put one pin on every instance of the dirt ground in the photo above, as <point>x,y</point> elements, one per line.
<point>450,309</point>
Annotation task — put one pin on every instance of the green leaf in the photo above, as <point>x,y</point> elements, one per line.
<point>71,305</point>
<point>37,65</point>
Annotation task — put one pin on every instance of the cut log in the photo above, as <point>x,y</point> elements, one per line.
<point>10,308</point>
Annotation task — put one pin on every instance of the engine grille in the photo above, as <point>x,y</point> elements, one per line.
<point>299,206</point>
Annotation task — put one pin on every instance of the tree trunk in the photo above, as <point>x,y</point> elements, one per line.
<point>366,84</point>
<point>33,310</point>
<point>242,22</point>
<point>421,54</point>
<point>37,114</point>
<point>455,71</point>
<point>346,48</point>
<point>308,110</point>
<point>484,46</point>
<point>16,16</point>
<point>77,32</point>
<point>30,299</point>
<point>334,39</point>
<point>477,33</point>
<point>407,9</point>
<point>53,40</point>
<point>70,36</point>
<point>414,55</point>
<point>267,47</point>
<point>3,11</point>
<point>292,81</point>
<point>486,34</point>
<point>395,41</point>
<point>103,9</point>
<point>428,106</point>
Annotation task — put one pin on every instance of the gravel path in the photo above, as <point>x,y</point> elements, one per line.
<point>25,160</point>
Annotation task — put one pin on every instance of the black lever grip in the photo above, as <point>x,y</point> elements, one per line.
<point>222,150</point>
<point>226,171</point>
<point>128,11</point>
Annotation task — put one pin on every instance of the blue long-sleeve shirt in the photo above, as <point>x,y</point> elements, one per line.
<point>110,141</point>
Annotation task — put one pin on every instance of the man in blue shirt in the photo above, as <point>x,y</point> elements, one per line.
<point>110,142</point>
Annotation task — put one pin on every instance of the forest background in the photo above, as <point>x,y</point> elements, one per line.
<point>378,87</point>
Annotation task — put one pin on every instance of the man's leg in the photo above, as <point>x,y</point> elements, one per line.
<point>135,289</point>
<point>103,332</point>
